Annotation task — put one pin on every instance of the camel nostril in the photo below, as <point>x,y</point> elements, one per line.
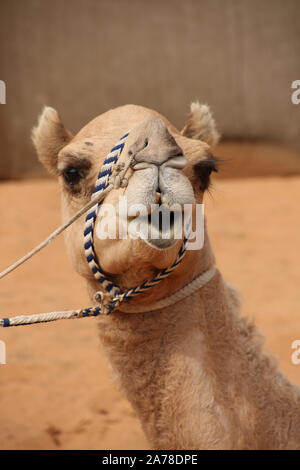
<point>146,142</point>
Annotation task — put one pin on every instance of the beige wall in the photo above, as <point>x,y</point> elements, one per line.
<point>86,56</point>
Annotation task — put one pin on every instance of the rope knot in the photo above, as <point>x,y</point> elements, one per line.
<point>118,175</point>
<point>106,301</point>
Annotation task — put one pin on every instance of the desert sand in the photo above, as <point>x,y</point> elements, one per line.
<point>56,391</point>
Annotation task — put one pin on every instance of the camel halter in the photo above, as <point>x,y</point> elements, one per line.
<point>111,176</point>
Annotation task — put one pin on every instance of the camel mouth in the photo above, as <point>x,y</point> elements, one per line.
<point>161,228</point>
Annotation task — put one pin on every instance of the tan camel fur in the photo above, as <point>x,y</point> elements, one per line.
<point>195,372</point>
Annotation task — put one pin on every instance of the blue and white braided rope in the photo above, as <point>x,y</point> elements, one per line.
<point>101,184</point>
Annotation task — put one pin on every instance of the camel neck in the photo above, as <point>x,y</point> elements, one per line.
<point>197,377</point>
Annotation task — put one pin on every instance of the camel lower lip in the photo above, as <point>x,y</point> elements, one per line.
<point>161,228</point>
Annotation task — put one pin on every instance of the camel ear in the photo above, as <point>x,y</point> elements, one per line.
<point>201,125</point>
<point>49,137</point>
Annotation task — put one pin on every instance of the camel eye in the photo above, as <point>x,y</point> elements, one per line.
<point>72,176</point>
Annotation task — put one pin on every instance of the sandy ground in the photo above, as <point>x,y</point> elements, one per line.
<point>55,390</point>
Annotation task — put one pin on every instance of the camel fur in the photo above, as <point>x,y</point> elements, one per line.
<point>195,373</point>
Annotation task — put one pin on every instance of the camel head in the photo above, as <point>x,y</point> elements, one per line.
<point>169,169</point>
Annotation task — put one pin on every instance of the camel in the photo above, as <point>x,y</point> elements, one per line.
<point>194,372</point>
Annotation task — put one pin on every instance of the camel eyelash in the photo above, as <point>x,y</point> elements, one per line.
<point>74,165</point>
<point>203,170</point>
